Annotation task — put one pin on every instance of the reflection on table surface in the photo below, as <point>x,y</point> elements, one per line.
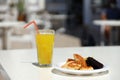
<point>18,63</point>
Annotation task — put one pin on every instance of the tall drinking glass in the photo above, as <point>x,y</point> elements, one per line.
<point>45,44</point>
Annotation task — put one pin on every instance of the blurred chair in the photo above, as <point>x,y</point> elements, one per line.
<point>11,13</point>
<point>45,19</point>
<point>4,6</point>
<point>19,38</point>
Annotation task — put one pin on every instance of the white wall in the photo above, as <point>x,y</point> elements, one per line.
<point>42,4</point>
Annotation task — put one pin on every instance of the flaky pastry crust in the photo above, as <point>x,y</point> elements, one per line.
<point>78,63</point>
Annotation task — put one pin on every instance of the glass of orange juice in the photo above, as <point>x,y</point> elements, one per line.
<point>45,45</point>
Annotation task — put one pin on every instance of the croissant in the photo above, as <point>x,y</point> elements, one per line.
<point>78,63</point>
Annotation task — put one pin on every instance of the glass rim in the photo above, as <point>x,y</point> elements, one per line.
<point>46,31</point>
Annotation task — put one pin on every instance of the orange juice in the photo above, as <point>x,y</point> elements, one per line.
<point>45,44</point>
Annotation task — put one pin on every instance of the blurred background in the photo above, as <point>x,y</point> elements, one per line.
<point>73,21</point>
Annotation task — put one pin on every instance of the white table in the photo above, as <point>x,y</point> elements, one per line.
<point>5,26</point>
<point>18,63</point>
<point>103,23</point>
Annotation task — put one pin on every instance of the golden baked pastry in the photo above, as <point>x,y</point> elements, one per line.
<point>78,63</point>
<point>72,65</point>
<point>80,60</point>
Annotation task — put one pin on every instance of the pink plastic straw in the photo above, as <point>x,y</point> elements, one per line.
<point>35,25</point>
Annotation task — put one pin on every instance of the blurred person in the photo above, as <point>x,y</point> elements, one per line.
<point>110,12</point>
<point>74,19</point>
<point>74,23</point>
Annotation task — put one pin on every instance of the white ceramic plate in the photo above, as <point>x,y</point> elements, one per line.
<point>58,67</point>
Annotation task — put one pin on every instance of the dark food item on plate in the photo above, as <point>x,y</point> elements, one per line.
<point>94,63</point>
